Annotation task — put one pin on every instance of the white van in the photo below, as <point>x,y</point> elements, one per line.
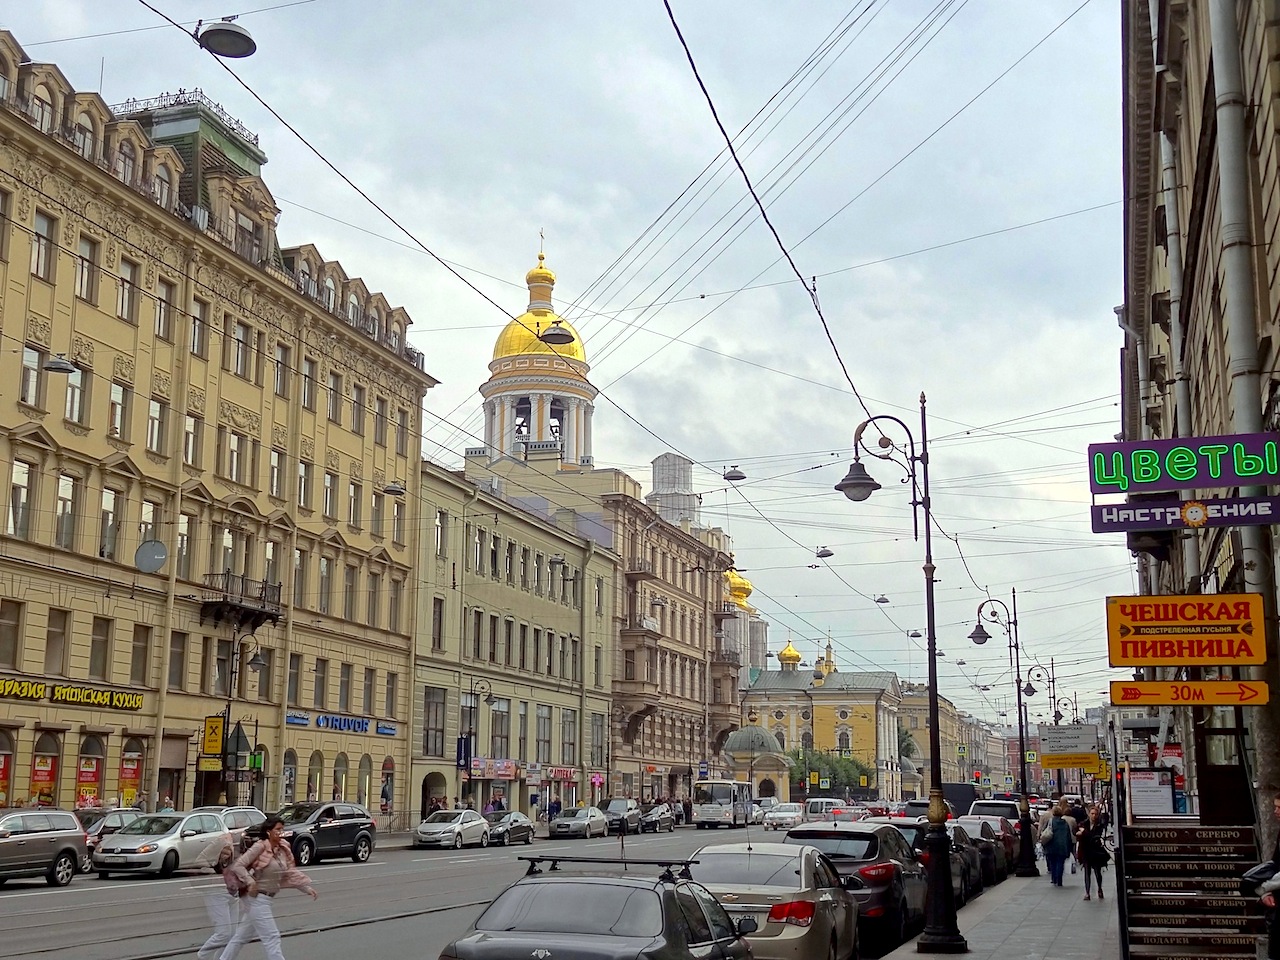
<point>819,808</point>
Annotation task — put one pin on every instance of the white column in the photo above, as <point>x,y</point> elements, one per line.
<point>544,416</point>
<point>509,426</point>
<point>490,432</point>
<point>588,413</point>
<point>570,453</point>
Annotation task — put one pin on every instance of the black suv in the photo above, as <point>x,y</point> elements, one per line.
<point>622,814</point>
<point>316,830</point>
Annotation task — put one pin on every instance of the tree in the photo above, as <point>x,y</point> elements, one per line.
<point>845,773</point>
<point>907,746</point>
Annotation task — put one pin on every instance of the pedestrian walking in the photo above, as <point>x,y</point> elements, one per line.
<point>1091,852</point>
<point>1056,840</point>
<point>1267,892</point>
<point>223,904</point>
<point>264,870</point>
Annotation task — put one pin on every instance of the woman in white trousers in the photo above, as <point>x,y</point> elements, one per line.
<point>264,870</point>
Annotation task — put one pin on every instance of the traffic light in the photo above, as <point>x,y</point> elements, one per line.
<point>977,776</point>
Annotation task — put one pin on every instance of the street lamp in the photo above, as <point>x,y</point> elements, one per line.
<point>941,930</point>
<point>1026,852</point>
<point>479,685</point>
<point>1050,677</point>
<point>234,742</point>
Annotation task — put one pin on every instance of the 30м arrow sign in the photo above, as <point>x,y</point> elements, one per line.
<point>1165,693</point>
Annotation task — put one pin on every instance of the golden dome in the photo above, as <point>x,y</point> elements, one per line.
<point>789,654</point>
<point>520,337</point>
<point>739,587</point>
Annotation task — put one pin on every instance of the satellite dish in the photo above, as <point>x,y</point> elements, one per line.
<point>150,556</point>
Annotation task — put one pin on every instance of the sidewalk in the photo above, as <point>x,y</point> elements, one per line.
<point>1027,918</point>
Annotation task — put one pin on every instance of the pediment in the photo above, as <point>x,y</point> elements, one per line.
<point>34,435</point>
<point>195,490</point>
<point>122,463</point>
<point>333,538</point>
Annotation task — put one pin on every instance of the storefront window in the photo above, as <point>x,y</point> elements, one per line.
<point>388,790</point>
<point>315,774</point>
<point>44,770</point>
<point>289,778</point>
<point>6,767</point>
<point>89,773</point>
<point>365,781</point>
<point>131,768</point>
<point>340,777</point>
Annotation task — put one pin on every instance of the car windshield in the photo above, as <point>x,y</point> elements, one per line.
<point>598,908</point>
<point>89,817</point>
<point>721,793</point>
<point>616,806</point>
<point>838,843</point>
<point>914,835</point>
<point>658,808</point>
<point>996,808</point>
<point>786,808</point>
<point>152,826</point>
<point>582,813</point>
<point>761,869</point>
<point>298,812</point>
<point>447,816</point>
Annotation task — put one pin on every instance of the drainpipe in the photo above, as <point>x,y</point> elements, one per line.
<point>584,783</point>
<point>462,623</point>
<point>1240,311</point>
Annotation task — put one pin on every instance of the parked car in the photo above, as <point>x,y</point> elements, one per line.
<point>998,861</point>
<point>580,822</point>
<point>1009,833</point>
<point>783,816</point>
<point>41,843</point>
<point>509,826</point>
<point>655,817</point>
<point>996,808</point>
<point>972,855</point>
<point>920,808</point>
<point>793,892</point>
<point>623,814</point>
<point>913,830</point>
<point>755,814</point>
<point>817,808</point>
<point>603,916</point>
<point>319,830</point>
<point>99,822</point>
<point>889,879</point>
<point>243,823</point>
<point>452,828</point>
<point>162,843</point>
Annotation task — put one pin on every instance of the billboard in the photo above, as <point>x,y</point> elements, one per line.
<point>1195,630</point>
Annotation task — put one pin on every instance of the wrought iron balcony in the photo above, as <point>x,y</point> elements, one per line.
<point>725,610</point>
<point>639,569</point>
<point>235,599</point>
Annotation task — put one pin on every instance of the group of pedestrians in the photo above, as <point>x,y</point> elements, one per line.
<point>1072,832</point>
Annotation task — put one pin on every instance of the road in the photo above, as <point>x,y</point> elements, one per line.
<point>402,904</point>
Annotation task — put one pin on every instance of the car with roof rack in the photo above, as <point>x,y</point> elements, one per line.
<point>596,911</point>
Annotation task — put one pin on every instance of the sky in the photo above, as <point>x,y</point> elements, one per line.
<point>947,174</point>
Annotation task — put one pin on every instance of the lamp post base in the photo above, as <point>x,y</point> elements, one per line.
<point>941,943</point>
<point>941,933</point>
<point>1026,852</point>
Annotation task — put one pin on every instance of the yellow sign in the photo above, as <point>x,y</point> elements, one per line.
<point>862,780</point>
<point>813,778</point>
<point>1171,693</point>
<point>214,732</point>
<point>209,764</point>
<point>1031,756</point>
<point>1104,770</point>
<point>1087,762</point>
<point>1192,630</point>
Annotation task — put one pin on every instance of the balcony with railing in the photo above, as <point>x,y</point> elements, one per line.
<point>725,610</point>
<point>243,603</point>
<point>640,569</point>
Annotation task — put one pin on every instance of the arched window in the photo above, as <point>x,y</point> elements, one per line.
<point>5,83</point>
<point>375,323</point>
<point>365,783</point>
<point>388,789</point>
<point>289,777</point>
<point>330,294</point>
<point>523,418</point>
<point>90,771</point>
<point>353,309</point>
<point>557,418</point>
<point>86,138</point>
<point>806,740</point>
<point>782,737</point>
<point>44,770</point>
<point>340,768</point>
<point>164,186</point>
<point>393,336</point>
<point>42,109</point>
<point>305,283</point>
<point>315,775</point>
<point>842,740</point>
<point>126,161</point>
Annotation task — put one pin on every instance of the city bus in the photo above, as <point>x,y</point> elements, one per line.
<point>721,802</point>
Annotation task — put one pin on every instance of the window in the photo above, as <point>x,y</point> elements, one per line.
<point>433,712</point>
<point>41,109</point>
<point>437,623</point>
<point>309,373</point>
<point>166,294</point>
<point>597,740</point>
<point>393,694</point>
<point>100,649</point>
<point>500,729</point>
<point>275,477</point>
<point>374,608</point>
<point>77,397</point>
<point>477,618</point>
<point>66,511</point>
<point>353,309</point>
<point>370,676</point>
<point>126,161</point>
<point>304,484</point>
<point>42,246</point>
<point>344,688</point>
<point>186,529</point>
<point>320,695</point>
<point>355,494</point>
<point>399,509</point>
<point>493,639</point>
<point>330,503</point>
<point>380,422</point>
<point>10,633</point>
<point>241,349</point>
<point>31,389</point>
<point>110,523</point>
<point>358,394</point>
<point>522,731</point>
<point>597,667</point>
<point>326,585</point>
<point>508,642</point>
<point>335,397</point>
<point>177,660</point>
<point>140,655</point>
<point>149,520</point>
<point>55,643</point>
<point>402,432</point>
<point>330,294</point>
<point>376,512</point>
<point>237,455</point>
<point>350,583</point>
<point>282,370</point>
<point>192,440</point>
<point>265,673</point>
<point>271,551</point>
<point>118,411</point>
<point>542,734</point>
<point>200,329</point>
<point>395,602</point>
<point>19,520</point>
<point>86,138</point>
<point>537,649</point>
<point>87,269</point>
<point>301,560</point>
<point>157,425</point>
<point>127,292</point>
<point>162,189</point>
<point>524,646</point>
<point>442,532</point>
<point>294,679</point>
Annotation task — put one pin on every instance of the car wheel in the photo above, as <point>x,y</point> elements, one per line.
<point>63,869</point>
<point>362,850</point>
<point>895,927</point>
<point>169,864</point>
<point>504,840</point>
<point>964,891</point>
<point>457,841</point>
<point>528,837</point>
<point>305,853</point>
<point>672,828</point>
<point>484,839</point>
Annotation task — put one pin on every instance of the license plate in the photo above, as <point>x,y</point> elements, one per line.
<point>113,859</point>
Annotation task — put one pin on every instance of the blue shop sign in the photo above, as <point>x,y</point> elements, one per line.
<point>385,729</point>
<point>331,721</point>
<point>297,718</point>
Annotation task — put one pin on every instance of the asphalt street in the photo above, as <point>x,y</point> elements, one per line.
<point>402,904</point>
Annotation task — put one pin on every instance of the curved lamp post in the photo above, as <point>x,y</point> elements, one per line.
<point>1049,677</point>
<point>941,931</point>
<point>1026,850</point>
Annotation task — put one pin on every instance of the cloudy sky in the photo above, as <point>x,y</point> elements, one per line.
<point>948,172</point>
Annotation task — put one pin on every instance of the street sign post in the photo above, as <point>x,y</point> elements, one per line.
<point>1191,630</point>
<point>1072,746</point>
<point>1172,693</point>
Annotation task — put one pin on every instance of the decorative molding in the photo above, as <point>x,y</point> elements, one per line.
<point>331,459</point>
<point>39,329</point>
<point>195,400</point>
<point>308,448</point>
<point>195,473</point>
<point>239,416</point>
<point>78,429</point>
<point>161,383</point>
<point>32,413</point>
<point>280,436</point>
<point>231,485</point>
<point>159,459</point>
<point>122,368</point>
<point>124,446</point>
<point>379,479</point>
<point>357,470</point>
<point>279,502</point>
<point>82,351</point>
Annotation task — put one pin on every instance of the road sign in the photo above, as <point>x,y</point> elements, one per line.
<point>862,780</point>
<point>1072,745</point>
<point>962,750</point>
<point>215,729</point>
<point>813,778</point>
<point>1166,693</point>
<point>703,769</point>
<point>824,783</point>
<point>1032,756</point>
<point>986,781</point>
<point>1008,781</point>
<point>1194,630</point>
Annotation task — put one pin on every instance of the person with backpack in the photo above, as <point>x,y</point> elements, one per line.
<point>1057,842</point>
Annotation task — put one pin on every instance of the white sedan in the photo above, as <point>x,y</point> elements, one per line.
<point>783,816</point>
<point>452,828</point>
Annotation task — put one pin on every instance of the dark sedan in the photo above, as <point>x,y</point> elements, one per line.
<point>972,855</point>
<point>913,830</point>
<point>1004,829</point>
<point>509,826</point>
<point>597,915</point>
<point>656,817</point>
<point>995,857</point>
